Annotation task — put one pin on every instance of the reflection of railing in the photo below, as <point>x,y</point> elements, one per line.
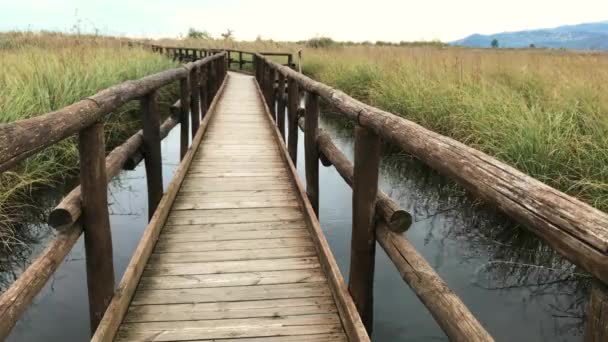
<point>85,209</point>
<point>576,230</point>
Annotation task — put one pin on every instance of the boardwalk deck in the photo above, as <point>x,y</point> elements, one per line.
<point>237,258</point>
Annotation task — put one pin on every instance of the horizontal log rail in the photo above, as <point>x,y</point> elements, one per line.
<point>573,228</point>
<point>21,139</point>
<point>84,209</point>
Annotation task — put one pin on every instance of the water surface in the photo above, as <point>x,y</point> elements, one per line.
<point>518,288</point>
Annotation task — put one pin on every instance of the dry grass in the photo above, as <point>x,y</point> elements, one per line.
<point>544,112</point>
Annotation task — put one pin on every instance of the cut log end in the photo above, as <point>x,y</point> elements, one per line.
<point>401,221</point>
<point>324,160</point>
<point>60,219</point>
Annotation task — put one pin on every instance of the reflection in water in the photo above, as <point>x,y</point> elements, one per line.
<point>518,287</point>
<point>504,262</point>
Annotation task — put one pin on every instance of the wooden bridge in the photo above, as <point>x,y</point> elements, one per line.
<point>233,249</point>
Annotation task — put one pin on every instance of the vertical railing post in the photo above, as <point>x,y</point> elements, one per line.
<point>290,60</point>
<point>271,92</point>
<point>195,97</point>
<point>363,240</point>
<point>203,90</point>
<point>210,82</point>
<point>293,96</point>
<point>96,221</point>
<point>311,150</point>
<point>240,60</point>
<point>596,329</point>
<point>281,105</point>
<point>184,96</point>
<point>150,117</point>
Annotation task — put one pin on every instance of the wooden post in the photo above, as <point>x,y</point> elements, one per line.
<point>363,241</point>
<point>281,105</point>
<point>203,91</point>
<point>596,329</point>
<point>184,96</point>
<point>96,221</point>
<point>195,97</point>
<point>290,60</point>
<point>311,150</point>
<point>292,130</point>
<point>240,60</point>
<point>210,81</point>
<point>150,117</point>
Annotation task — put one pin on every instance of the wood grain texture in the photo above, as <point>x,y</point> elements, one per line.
<point>235,258</point>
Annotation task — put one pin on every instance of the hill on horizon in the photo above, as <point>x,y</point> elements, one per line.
<point>586,36</point>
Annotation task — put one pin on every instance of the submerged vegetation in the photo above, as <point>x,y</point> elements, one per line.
<point>40,73</point>
<point>544,112</point>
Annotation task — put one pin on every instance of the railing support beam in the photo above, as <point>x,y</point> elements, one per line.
<point>363,243</point>
<point>194,99</point>
<point>311,150</point>
<point>150,117</point>
<point>293,95</point>
<point>184,95</point>
<point>281,105</point>
<point>597,314</point>
<point>96,221</point>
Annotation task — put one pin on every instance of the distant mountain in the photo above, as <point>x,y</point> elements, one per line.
<point>588,36</point>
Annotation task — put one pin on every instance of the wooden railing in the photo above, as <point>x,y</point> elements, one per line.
<point>576,230</point>
<point>85,209</point>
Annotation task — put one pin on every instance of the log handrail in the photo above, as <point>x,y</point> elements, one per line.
<point>20,139</point>
<point>576,230</point>
<point>88,202</point>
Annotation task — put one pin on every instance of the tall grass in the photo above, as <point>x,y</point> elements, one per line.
<point>45,72</point>
<point>544,112</point>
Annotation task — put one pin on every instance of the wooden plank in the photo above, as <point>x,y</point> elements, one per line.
<point>184,217</point>
<point>338,337</point>
<point>233,195</point>
<point>219,329</point>
<point>276,308</point>
<point>230,227</point>
<point>176,246</point>
<point>232,294</point>
<point>242,235</point>
<point>150,117</point>
<point>232,279</point>
<point>153,269</point>
<point>236,204</point>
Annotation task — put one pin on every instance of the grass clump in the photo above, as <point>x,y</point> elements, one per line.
<point>40,73</point>
<point>544,112</point>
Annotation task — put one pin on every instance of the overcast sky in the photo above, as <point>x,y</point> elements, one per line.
<point>372,20</point>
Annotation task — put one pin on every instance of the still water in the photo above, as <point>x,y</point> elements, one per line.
<point>517,287</point>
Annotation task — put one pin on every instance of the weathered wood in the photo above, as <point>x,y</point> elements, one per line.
<point>184,97</point>
<point>16,299</point>
<point>575,229</point>
<point>397,219</point>
<point>351,322</point>
<point>96,221</point>
<point>281,105</point>
<point>240,60</point>
<point>194,100</point>
<point>22,138</point>
<point>122,297</point>
<point>272,99</point>
<point>151,146</point>
<point>293,96</point>
<point>596,329</point>
<point>311,151</point>
<point>449,312</point>
<point>363,240</point>
<point>204,102</point>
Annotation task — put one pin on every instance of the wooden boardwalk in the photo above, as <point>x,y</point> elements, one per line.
<point>235,259</point>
